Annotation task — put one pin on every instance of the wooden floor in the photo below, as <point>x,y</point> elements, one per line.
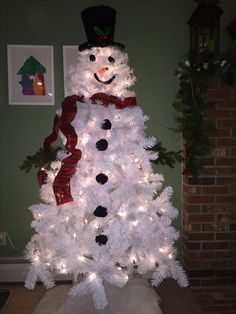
<point>216,300</point>
<point>22,300</point>
<point>174,300</point>
<point>212,300</point>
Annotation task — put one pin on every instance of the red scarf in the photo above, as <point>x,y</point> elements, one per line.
<point>61,184</point>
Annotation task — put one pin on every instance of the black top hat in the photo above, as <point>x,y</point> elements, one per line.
<point>99,24</point>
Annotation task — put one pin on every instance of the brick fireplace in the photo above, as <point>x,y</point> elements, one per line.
<point>209,206</point>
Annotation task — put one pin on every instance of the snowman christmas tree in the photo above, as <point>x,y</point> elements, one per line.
<point>104,214</point>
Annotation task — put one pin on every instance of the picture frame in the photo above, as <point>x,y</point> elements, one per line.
<point>70,55</point>
<point>30,75</point>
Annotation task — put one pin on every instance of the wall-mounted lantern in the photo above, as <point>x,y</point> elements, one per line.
<point>205,27</point>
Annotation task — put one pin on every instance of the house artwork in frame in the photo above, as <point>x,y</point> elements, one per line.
<point>30,75</point>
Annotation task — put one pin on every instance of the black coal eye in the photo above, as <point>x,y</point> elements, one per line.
<point>92,58</point>
<point>110,59</point>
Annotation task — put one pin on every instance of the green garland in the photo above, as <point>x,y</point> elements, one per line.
<point>191,103</point>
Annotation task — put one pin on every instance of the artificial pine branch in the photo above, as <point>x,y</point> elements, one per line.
<point>40,159</point>
<point>165,157</point>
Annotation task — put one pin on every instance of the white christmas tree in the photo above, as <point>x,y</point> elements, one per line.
<point>104,214</point>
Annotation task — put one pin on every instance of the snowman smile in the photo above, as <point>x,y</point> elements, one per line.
<point>104,82</point>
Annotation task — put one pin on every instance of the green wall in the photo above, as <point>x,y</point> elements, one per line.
<point>155,34</point>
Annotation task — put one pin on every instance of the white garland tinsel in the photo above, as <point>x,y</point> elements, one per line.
<point>138,225</point>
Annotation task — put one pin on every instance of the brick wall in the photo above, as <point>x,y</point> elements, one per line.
<point>210,205</point>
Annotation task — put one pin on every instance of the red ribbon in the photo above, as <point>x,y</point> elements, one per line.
<point>107,100</point>
<point>61,184</point>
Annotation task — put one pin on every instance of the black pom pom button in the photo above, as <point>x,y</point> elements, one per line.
<point>101,178</point>
<point>100,211</point>
<point>106,124</point>
<point>102,145</point>
<point>92,58</point>
<point>110,59</point>
<point>101,239</point>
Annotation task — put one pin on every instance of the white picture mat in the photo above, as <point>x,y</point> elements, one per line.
<point>17,55</point>
<point>70,57</point>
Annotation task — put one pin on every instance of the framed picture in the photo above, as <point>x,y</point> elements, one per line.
<point>70,55</point>
<point>30,75</point>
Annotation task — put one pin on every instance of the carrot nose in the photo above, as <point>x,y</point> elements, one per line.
<point>102,71</point>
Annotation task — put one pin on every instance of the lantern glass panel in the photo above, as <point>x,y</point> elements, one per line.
<point>204,37</point>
